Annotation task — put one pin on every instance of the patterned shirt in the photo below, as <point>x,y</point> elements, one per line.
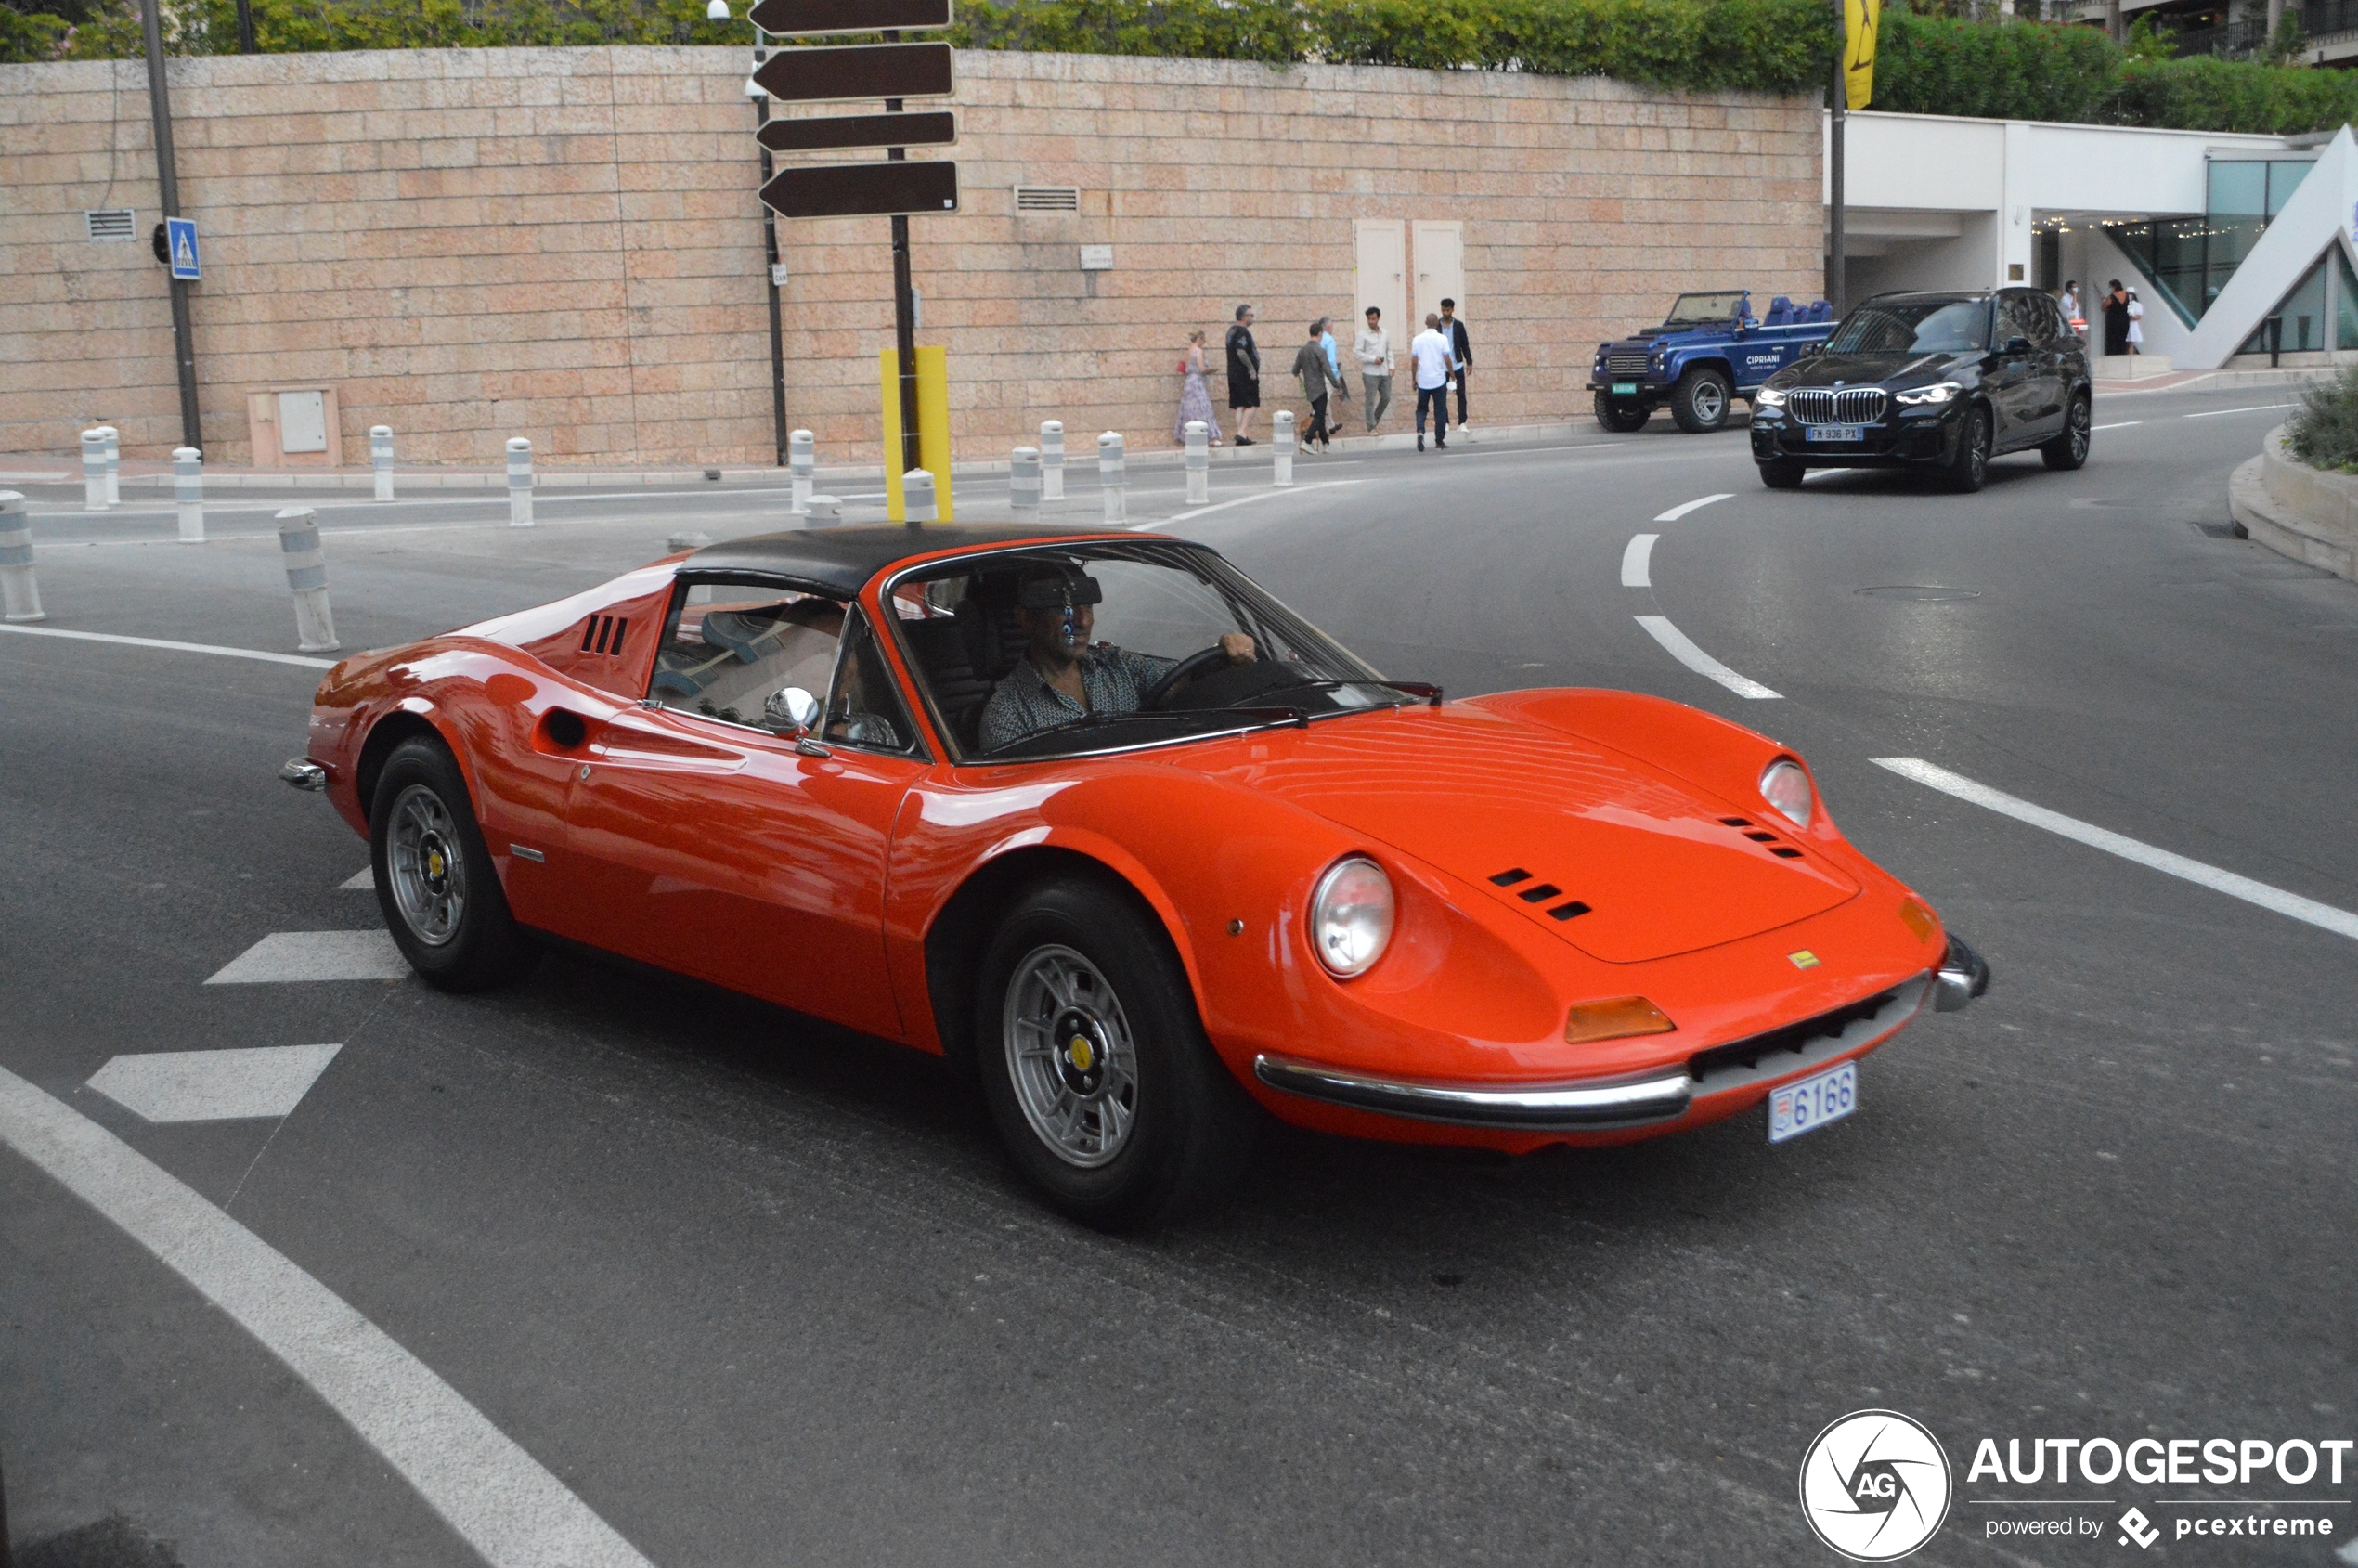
<point>1024,704</point>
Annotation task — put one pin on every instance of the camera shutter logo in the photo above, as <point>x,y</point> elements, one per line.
<point>1875,1485</point>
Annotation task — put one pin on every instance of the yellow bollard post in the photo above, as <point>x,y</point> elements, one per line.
<point>933,426</point>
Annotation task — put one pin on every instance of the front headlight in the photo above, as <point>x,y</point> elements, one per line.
<point>1786,787</point>
<point>1350,915</point>
<point>1768,398</point>
<point>1938,392</point>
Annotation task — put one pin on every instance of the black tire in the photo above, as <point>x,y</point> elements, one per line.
<point>1190,1126</point>
<point>1700,401</point>
<point>1968,469</point>
<point>1782,474</point>
<point>1621,415</point>
<point>2069,448</point>
<point>435,884</point>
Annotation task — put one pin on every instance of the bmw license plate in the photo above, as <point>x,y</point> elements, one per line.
<point>1838,433</point>
<point>1810,1104</point>
<point>1625,389</point>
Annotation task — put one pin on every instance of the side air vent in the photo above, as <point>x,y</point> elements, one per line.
<point>604,634</point>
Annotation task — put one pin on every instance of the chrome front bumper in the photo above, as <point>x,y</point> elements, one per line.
<point>1588,1106</point>
<point>303,773</point>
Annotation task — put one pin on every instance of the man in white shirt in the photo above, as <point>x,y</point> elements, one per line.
<point>1373,350</point>
<point>1433,355</point>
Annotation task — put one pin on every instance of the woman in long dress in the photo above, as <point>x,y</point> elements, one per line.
<point>2136,323</point>
<point>1195,399</point>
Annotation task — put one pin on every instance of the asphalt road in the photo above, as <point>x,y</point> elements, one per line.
<point>757,1292</point>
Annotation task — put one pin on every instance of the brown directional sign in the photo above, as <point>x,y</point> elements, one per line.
<point>838,130</point>
<point>852,190</point>
<point>860,71</point>
<point>810,16</point>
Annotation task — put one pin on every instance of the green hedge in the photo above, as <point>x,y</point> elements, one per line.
<point>1928,65</point>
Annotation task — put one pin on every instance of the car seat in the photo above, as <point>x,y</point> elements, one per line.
<point>963,659</point>
<point>1780,312</point>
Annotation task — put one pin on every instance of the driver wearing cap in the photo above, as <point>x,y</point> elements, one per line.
<point>1062,675</point>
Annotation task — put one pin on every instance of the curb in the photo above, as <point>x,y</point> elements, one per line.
<point>2267,520</point>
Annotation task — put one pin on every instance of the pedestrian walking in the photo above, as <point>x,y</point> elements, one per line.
<point>1244,374</point>
<point>1334,360</point>
<point>1195,397</point>
<point>2070,302</point>
<point>1461,360</point>
<point>2136,323</point>
<point>1431,354</point>
<point>1373,350</point>
<point>2115,319</point>
<point>1316,374</point>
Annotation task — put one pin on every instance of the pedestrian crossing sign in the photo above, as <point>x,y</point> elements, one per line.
<point>180,240</point>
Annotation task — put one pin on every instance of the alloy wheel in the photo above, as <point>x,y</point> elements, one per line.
<point>428,871</point>
<point>1071,1057</point>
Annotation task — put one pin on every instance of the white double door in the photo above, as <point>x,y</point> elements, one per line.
<point>1388,249</point>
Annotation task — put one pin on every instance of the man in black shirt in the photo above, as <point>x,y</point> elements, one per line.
<point>1462,346</point>
<point>1244,374</point>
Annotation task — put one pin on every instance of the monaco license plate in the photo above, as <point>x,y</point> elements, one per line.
<point>1810,1104</point>
<point>1625,389</point>
<point>1838,433</point>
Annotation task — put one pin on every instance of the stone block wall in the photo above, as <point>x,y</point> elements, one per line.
<point>566,243</point>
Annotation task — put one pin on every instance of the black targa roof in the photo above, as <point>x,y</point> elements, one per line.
<point>840,561</point>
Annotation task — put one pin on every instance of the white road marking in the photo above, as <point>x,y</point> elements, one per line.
<point>2255,408</point>
<point>490,1491</point>
<point>361,881</point>
<point>2340,921</point>
<point>2123,424</point>
<point>1676,513</point>
<point>1240,500</point>
<point>316,955</point>
<point>172,647</point>
<point>1675,642</point>
<point>1636,562</point>
<point>265,1081</point>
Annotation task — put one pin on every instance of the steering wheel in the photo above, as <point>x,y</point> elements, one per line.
<point>1187,669</point>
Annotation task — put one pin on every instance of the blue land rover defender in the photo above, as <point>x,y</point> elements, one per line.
<point>1709,350</point>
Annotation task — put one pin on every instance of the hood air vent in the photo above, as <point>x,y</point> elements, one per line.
<point>1569,909</point>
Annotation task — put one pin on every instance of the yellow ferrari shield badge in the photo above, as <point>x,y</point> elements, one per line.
<point>1803,959</point>
<point>1860,19</point>
<point>1082,1055</point>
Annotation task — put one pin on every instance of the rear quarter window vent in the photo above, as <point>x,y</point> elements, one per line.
<point>604,634</point>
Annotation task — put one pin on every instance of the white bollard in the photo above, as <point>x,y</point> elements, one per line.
<point>519,483</point>
<point>1052,461</point>
<point>1113,480</point>
<point>19,595</point>
<point>1281,445</point>
<point>307,575</point>
<point>94,470</point>
<point>114,463</point>
<point>380,458</point>
<point>187,489</point>
<point>1023,485</point>
<point>825,511</point>
<point>1198,462</point>
<point>917,497</point>
<point>802,462</point>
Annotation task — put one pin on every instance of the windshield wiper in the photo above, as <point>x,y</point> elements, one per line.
<point>1424,689</point>
<point>1293,716</point>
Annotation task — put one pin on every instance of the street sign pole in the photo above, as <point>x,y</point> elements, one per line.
<point>770,244</point>
<point>904,308</point>
<point>1836,283</point>
<point>184,342</point>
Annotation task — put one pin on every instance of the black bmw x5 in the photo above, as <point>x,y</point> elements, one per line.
<point>1943,381</point>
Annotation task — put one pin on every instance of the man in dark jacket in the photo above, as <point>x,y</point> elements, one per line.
<point>1318,377</point>
<point>1244,374</point>
<point>1462,346</point>
<point>2115,319</point>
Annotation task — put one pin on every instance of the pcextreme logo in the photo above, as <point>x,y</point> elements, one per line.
<point>1875,1485</point>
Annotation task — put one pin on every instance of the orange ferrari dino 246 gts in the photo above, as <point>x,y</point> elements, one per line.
<point>1140,850</point>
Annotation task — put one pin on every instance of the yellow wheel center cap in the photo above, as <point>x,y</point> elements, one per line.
<point>434,866</point>
<point>1082,1057</point>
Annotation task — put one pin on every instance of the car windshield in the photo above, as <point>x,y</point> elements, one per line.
<point>1058,651</point>
<point>1914,327</point>
<point>1705,310</point>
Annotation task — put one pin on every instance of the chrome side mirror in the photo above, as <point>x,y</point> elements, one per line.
<point>791,707</point>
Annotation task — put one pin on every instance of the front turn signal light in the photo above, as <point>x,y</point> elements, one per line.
<point>1616,1019</point>
<point>1918,919</point>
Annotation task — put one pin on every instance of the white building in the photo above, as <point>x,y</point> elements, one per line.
<point>2217,232</point>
